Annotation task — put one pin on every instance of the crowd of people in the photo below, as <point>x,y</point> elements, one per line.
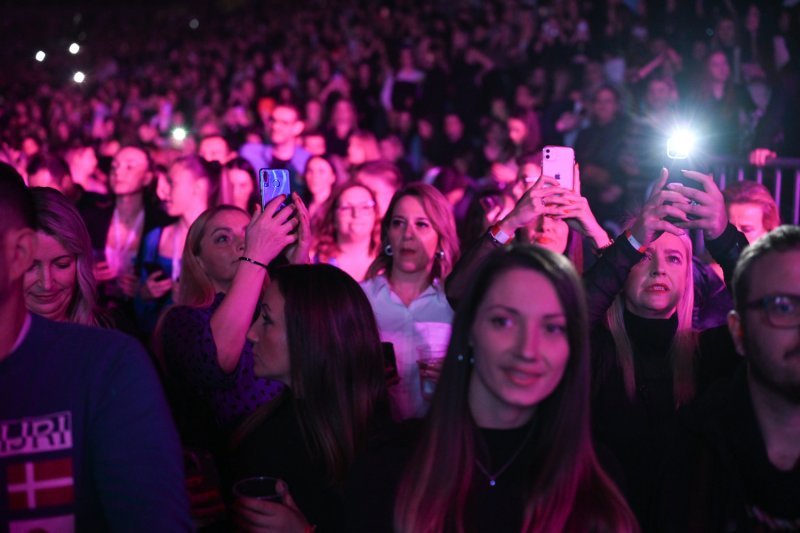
<point>428,333</point>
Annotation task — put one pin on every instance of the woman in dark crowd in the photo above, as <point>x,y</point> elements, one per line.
<point>335,396</point>
<point>507,444</point>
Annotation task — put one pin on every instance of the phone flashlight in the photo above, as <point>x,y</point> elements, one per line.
<point>680,144</point>
<point>40,55</point>
<point>78,77</point>
<point>74,48</point>
<point>179,134</point>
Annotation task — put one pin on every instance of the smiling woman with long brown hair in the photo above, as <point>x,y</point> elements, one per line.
<point>506,445</point>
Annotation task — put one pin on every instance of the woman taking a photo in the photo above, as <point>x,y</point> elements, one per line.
<point>334,401</point>
<point>506,445</point>
<point>648,360</point>
<point>348,234</point>
<point>546,214</point>
<point>208,361</point>
<point>418,248</point>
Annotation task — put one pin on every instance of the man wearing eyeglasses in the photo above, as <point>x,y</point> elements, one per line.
<point>738,465</point>
<point>284,127</point>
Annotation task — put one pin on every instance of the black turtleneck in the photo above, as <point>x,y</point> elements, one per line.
<point>651,339</point>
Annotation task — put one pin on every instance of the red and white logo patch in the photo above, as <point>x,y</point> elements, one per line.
<point>38,484</point>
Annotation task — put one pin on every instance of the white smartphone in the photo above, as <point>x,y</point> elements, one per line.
<point>559,162</point>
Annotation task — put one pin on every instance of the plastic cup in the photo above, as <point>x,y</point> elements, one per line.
<point>431,359</point>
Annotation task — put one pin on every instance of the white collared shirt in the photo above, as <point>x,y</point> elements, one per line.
<point>423,325</point>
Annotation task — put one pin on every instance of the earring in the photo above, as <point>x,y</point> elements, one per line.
<point>388,250</point>
<point>440,254</point>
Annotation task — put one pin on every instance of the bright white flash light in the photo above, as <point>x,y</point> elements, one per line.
<point>74,48</point>
<point>40,55</point>
<point>680,144</point>
<point>78,77</point>
<point>179,134</point>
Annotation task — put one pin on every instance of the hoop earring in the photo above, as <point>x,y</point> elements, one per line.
<point>388,250</point>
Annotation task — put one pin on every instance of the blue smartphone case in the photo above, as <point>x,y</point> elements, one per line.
<point>273,182</point>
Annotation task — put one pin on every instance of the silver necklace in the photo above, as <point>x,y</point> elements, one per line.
<point>493,477</point>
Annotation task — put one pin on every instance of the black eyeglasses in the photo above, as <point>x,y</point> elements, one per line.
<point>783,310</point>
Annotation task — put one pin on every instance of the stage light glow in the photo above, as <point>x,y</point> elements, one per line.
<point>40,55</point>
<point>78,77</point>
<point>194,24</point>
<point>74,48</point>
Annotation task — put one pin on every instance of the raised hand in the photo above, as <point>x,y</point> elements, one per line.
<point>662,203</point>
<point>575,211</point>
<point>532,205</point>
<point>705,209</point>
<point>270,231</point>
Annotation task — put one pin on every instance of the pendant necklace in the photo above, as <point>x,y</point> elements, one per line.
<point>492,477</point>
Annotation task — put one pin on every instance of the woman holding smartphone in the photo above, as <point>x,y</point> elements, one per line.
<point>506,445</point>
<point>208,361</point>
<point>547,215</point>
<point>418,248</point>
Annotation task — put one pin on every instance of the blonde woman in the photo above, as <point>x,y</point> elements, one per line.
<point>60,285</point>
<point>404,285</point>
<point>208,362</point>
<point>647,359</point>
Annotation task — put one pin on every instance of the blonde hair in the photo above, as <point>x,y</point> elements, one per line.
<point>440,213</point>
<point>196,288</point>
<point>58,218</point>
<point>684,343</point>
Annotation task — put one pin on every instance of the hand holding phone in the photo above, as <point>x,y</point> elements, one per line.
<point>270,231</point>
<point>704,205</point>
<point>274,182</point>
<point>558,162</point>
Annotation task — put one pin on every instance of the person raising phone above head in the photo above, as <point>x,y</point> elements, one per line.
<point>551,213</point>
<point>647,359</point>
<point>202,340</point>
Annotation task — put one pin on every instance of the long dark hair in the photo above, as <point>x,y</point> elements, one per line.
<point>337,374</point>
<point>568,489</point>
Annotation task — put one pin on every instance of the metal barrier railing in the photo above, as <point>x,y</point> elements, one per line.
<point>781,176</point>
